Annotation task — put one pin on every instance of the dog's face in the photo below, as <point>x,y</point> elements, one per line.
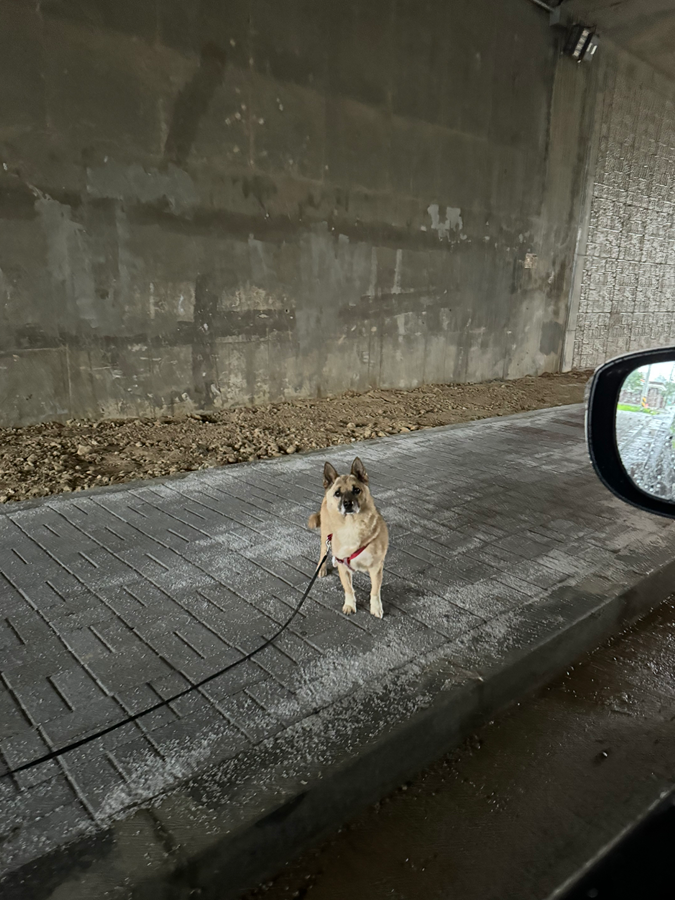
<point>348,494</point>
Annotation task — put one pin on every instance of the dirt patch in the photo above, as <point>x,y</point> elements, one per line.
<point>50,458</point>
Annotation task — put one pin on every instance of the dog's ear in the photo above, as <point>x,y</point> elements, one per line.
<point>329,475</point>
<point>359,471</point>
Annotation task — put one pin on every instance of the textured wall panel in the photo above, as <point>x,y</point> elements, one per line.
<point>627,296</point>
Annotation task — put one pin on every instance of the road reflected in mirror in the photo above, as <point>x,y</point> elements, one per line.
<point>645,428</point>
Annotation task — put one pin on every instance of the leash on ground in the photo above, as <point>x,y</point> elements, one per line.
<point>53,754</point>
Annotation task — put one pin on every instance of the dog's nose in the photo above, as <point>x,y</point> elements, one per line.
<point>348,504</point>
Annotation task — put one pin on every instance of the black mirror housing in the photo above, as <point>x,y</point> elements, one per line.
<point>601,429</point>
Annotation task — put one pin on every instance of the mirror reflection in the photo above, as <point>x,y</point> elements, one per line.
<point>645,429</point>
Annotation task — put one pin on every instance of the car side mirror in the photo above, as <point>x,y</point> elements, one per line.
<point>630,428</point>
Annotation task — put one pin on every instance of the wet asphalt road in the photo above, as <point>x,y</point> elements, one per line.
<point>527,800</point>
<point>645,446</point>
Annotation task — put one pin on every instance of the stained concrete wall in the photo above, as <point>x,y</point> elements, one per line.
<point>625,298</point>
<point>206,203</point>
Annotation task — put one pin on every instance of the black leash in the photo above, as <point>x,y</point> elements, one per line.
<point>53,754</point>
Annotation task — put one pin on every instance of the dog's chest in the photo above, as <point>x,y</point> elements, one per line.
<point>361,563</point>
<point>348,540</point>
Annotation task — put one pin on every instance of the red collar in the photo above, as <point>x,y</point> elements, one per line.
<point>347,560</point>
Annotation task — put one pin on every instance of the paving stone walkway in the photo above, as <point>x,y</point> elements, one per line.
<point>113,599</point>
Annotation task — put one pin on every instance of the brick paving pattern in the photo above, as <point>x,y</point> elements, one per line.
<point>111,600</point>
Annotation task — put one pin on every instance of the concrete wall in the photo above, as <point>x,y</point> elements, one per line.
<point>206,203</point>
<point>626,292</point>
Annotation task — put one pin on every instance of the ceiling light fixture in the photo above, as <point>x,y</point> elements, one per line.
<point>581,43</point>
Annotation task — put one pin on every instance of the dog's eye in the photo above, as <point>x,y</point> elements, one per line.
<point>356,490</point>
<point>337,493</point>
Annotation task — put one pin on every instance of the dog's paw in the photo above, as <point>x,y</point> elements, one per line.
<point>348,609</point>
<point>323,571</point>
<point>376,608</point>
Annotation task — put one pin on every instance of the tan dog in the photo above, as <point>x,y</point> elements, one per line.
<point>357,532</point>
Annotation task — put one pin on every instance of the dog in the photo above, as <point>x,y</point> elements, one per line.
<point>353,531</point>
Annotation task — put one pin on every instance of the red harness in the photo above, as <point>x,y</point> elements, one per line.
<point>347,560</point>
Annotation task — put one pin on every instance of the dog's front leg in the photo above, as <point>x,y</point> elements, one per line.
<point>375,588</point>
<point>326,567</point>
<point>350,598</point>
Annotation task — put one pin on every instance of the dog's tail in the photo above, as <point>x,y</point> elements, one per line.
<point>314,520</point>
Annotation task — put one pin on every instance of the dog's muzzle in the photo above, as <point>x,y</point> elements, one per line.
<point>349,507</point>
